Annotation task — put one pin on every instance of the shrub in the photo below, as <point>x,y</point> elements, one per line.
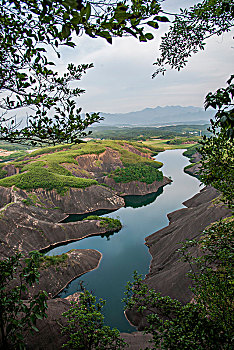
<point>85,326</point>
<point>39,177</point>
<point>207,323</point>
<point>109,223</point>
<point>137,172</point>
<point>47,260</point>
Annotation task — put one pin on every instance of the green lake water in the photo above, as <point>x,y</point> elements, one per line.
<point>125,251</point>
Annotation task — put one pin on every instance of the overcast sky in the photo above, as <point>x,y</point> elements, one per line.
<point>121,78</point>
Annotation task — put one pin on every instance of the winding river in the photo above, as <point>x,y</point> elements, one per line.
<point>125,251</point>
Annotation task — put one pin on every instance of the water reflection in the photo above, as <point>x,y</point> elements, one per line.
<point>125,251</point>
<point>80,217</point>
<point>142,201</point>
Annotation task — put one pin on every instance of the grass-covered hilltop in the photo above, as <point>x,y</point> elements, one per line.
<point>81,165</point>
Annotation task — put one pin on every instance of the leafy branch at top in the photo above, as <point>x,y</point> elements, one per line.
<point>29,82</point>
<point>189,30</point>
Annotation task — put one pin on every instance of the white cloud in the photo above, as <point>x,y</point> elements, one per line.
<point>121,79</point>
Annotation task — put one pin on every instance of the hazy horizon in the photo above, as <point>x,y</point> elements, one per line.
<point>121,82</point>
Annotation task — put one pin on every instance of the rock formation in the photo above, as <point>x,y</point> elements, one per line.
<point>167,271</point>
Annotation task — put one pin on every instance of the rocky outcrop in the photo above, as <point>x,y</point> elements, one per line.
<point>98,164</point>
<point>137,340</point>
<point>194,169</point>
<point>80,200</point>
<point>136,151</point>
<point>11,169</point>
<point>135,188</point>
<point>49,336</point>
<point>167,272</point>
<point>54,278</point>
<point>6,196</point>
<point>25,232</point>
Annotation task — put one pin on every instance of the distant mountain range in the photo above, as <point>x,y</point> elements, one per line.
<point>158,116</point>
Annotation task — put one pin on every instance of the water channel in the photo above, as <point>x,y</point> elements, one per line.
<point>125,251</point>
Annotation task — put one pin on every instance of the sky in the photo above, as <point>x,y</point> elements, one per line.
<point>121,82</point>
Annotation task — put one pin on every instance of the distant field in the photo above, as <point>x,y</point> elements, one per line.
<point>144,133</point>
<point>163,145</point>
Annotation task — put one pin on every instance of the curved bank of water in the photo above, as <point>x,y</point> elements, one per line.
<point>125,251</point>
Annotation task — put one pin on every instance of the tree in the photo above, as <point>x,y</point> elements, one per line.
<point>85,326</point>
<point>189,31</point>
<point>16,314</point>
<point>29,82</point>
<point>217,151</point>
<point>207,322</point>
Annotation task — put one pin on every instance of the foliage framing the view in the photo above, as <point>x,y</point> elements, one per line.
<point>207,322</point>
<point>190,29</point>
<point>85,326</point>
<point>18,315</point>
<point>218,149</point>
<point>31,87</point>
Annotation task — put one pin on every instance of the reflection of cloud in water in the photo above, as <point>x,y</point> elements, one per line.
<point>126,251</point>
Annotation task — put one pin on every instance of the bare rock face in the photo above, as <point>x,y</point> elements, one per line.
<point>97,164</point>
<point>167,272</point>
<point>11,169</point>
<point>135,188</point>
<point>136,151</point>
<point>137,340</point>
<point>5,196</point>
<point>49,336</point>
<point>20,230</point>
<point>55,278</point>
<point>81,200</point>
<point>193,170</point>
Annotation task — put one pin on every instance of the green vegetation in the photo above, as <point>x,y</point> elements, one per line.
<point>28,81</point>
<point>66,153</point>
<point>14,155</point>
<point>25,271</point>
<point>183,140</point>
<point>55,260</point>
<point>108,223</point>
<point>189,153</point>
<point>207,323</point>
<point>44,168</point>
<point>218,150</point>
<point>137,172</point>
<point>13,147</point>
<point>85,326</point>
<point>3,173</point>
<point>40,177</point>
<point>143,133</point>
<point>162,145</point>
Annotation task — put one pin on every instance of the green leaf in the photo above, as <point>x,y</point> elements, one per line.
<point>153,24</point>
<point>142,38</point>
<point>149,36</point>
<point>161,19</point>
<point>35,328</point>
<point>66,31</point>
<point>88,11</point>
